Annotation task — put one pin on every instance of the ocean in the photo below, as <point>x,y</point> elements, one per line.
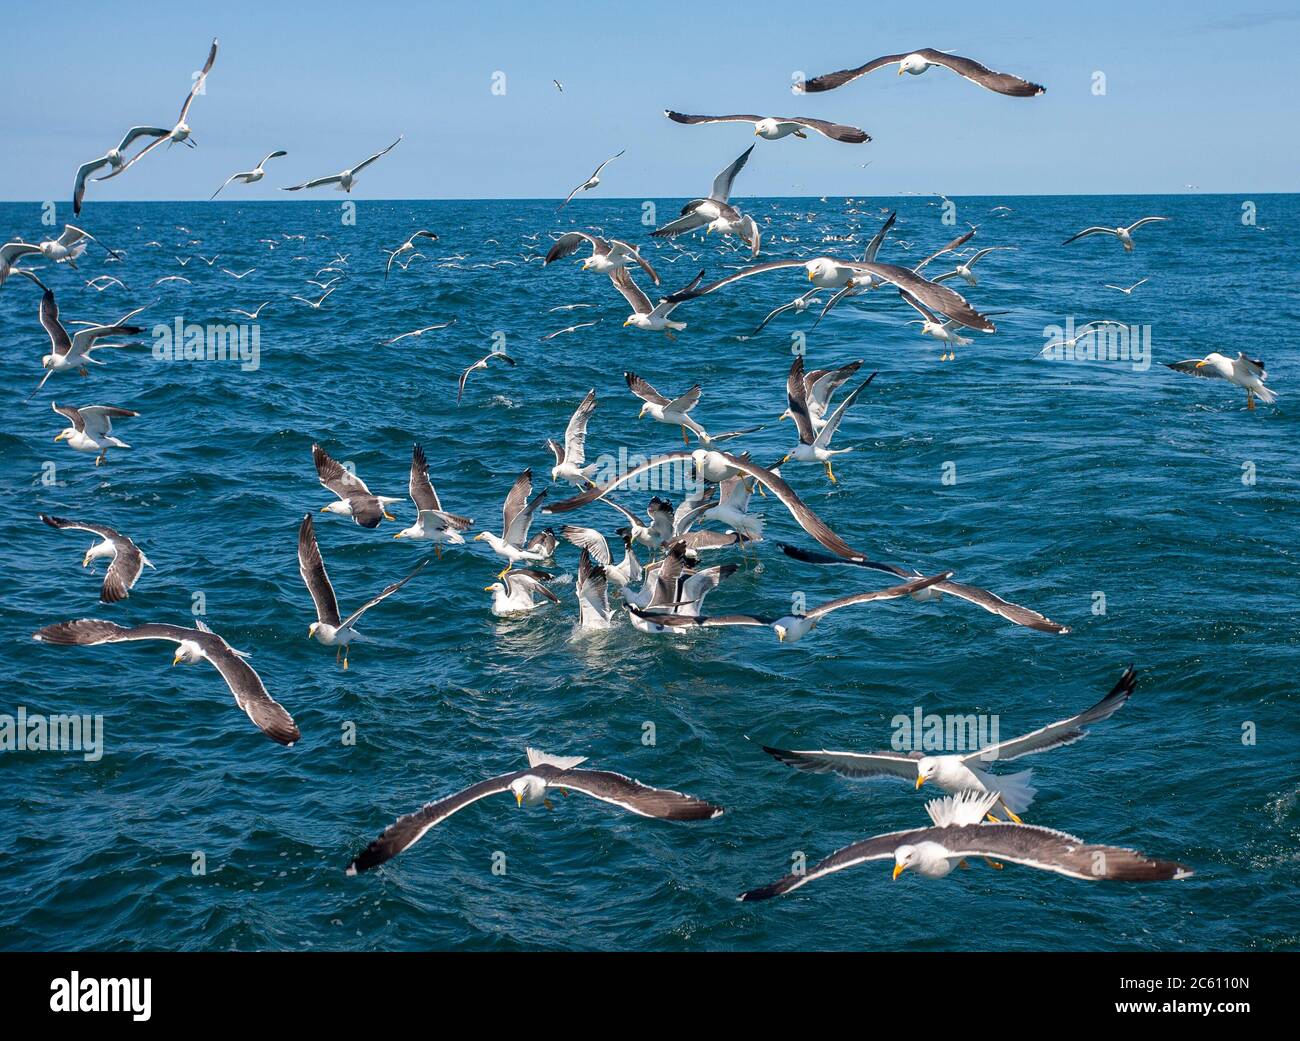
<point>1149,511</point>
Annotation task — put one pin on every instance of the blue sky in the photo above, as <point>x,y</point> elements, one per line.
<point>331,82</point>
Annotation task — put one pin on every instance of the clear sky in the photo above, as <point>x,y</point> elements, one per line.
<point>1195,94</point>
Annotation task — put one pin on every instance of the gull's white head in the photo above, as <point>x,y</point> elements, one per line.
<point>47,361</point>
<point>766,128</point>
<point>495,587</point>
<point>311,629</point>
<point>926,768</point>
<point>338,506</point>
<point>913,64</point>
<point>187,653</point>
<point>904,858</point>
<point>821,270</point>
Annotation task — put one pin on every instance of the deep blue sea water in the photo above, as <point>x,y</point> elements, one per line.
<point>1073,480</point>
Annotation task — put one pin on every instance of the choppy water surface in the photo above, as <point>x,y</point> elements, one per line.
<point>1074,481</point>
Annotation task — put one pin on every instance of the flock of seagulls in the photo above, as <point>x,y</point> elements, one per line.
<point>980,816</point>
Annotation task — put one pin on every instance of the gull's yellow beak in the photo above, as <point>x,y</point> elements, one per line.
<point>898,870</point>
<point>85,561</point>
<point>785,458</point>
<point>780,636</point>
<point>398,535</point>
<point>901,70</point>
<point>810,276</point>
<point>487,589</point>
<point>176,660</point>
<point>479,536</point>
<point>627,323</point>
<point>919,780</point>
<point>324,509</point>
<point>1200,363</point>
<point>519,798</point>
<point>60,435</point>
<point>756,131</point>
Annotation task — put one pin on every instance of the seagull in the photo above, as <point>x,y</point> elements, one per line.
<point>329,628</point>
<point>717,467</point>
<point>593,544</point>
<point>716,212</point>
<point>432,523</point>
<point>516,518</point>
<point>92,428</point>
<point>178,134</point>
<point>68,247</point>
<point>916,62</point>
<point>963,269</point>
<point>799,305</point>
<point>114,157</point>
<point>1125,235</point>
<point>9,254</point>
<point>315,304</point>
<point>672,588</point>
<point>932,325</point>
<point>814,445</point>
<point>101,282</point>
<point>512,593</point>
<point>569,329</point>
<point>730,510</point>
<point>773,128</point>
<point>818,388</point>
<point>558,86</point>
<point>571,458</point>
<point>968,771</point>
<point>590,182</point>
<point>407,247</point>
<point>670,411</point>
<point>418,332</point>
<point>973,594</point>
<point>482,363</point>
<point>69,353</point>
<point>1087,329</point>
<point>249,176</point>
<point>354,498</point>
<point>530,787</point>
<point>652,318</point>
<point>170,278</point>
<point>1241,371</point>
<point>792,628</point>
<point>250,315</point>
<point>126,562</point>
<point>194,645</point>
<point>957,834</point>
<point>593,600</point>
<point>347,178</point>
<point>607,255</point>
<point>1129,290</point>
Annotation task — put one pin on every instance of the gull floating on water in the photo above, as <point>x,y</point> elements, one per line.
<point>193,645</point>
<point>1241,371</point>
<point>529,787</point>
<point>125,562</point>
<point>513,591</point>
<point>916,62</point>
<point>773,128</point>
<point>329,628</point>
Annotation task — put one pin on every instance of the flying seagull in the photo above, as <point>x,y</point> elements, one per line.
<point>773,128</point>
<point>407,247</point>
<point>354,498</point>
<point>329,628</point>
<point>516,518</point>
<point>592,591</point>
<point>652,318</point>
<point>716,212</point>
<point>593,543</point>
<point>432,523</point>
<point>973,594</point>
<point>674,412</point>
<point>956,834</point>
<point>607,255</point>
<point>194,645</point>
<point>419,332</point>
<point>969,771</point>
<point>125,559</point>
<point>799,305</point>
<point>347,178</point>
<point>178,134</point>
<point>530,786</point>
<point>249,176</point>
<point>814,442</point>
<point>571,457</point>
<point>1121,289</point>
<point>73,353</point>
<point>92,428</point>
<point>916,62</point>
<point>963,269</point>
<point>1241,371</point>
<point>114,157</point>
<point>590,182</point>
<point>1125,235</point>
<point>792,628</point>
<point>482,363</point>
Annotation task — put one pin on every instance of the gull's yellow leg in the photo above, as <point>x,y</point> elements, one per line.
<point>830,473</point>
<point>1007,810</point>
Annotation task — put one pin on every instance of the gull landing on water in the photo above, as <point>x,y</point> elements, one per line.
<point>248,177</point>
<point>530,787</point>
<point>178,134</point>
<point>347,178</point>
<point>329,628</point>
<point>1241,371</point>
